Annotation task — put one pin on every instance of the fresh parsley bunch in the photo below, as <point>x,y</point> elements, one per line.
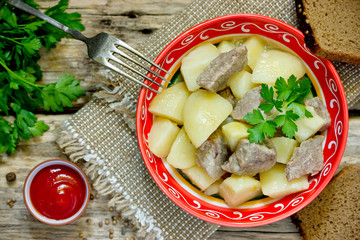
<point>21,37</point>
<point>288,107</point>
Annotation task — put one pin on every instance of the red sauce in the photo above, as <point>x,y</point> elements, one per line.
<point>57,192</point>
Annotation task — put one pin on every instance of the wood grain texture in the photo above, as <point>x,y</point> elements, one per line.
<point>132,21</point>
<point>29,154</point>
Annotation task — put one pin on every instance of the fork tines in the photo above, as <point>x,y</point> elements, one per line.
<point>114,49</point>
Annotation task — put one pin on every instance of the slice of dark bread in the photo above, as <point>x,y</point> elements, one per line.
<point>335,213</point>
<point>331,28</point>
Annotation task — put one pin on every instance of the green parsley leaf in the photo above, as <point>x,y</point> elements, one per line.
<point>279,120</point>
<point>303,89</point>
<point>263,127</point>
<point>288,105</point>
<point>293,90</point>
<point>8,137</point>
<point>269,128</point>
<point>289,127</point>
<point>267,93</point>
<point>8,16</point>
<point>38,129</point>
<point>32,46</point>
<point>308,114</point>
<point>32,27</point>
<point>21,37</point>
<point>57,95</point>
<point>297,108</point>
<point>266,107</point>
<point>255,117</point>
<point>24,120</point>
<point>283,89</point>
<point>258,133</point>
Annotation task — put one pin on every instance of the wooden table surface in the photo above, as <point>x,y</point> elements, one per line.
<point>132,21</point>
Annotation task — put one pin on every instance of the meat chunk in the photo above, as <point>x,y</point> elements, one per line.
<point>250,101</point>
<point>321,110</point>
<point>308,158</point>
<point>212,154</point>
<point>227,94</point>
<point>219,71</point>
<point>251,158</point>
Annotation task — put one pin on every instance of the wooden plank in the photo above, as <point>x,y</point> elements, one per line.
<point>131,21</point>
<point>17,222</point>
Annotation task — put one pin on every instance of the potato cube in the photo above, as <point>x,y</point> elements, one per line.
<point>240,83</point>
<point>275,63</point>
<point>226,46</point>
<point>233,132</point>
<point>236,190</point>
<point>161,136</point>
<point>284,147</point>
<point>182,153</point>
<point>275,185</point>
<point>203,113</point>
<point>213,188</point>
<point>170,103</point>
<point>195,62</point>
<point>307,127</point>
<point>199,177</point>
<point>255,46</point>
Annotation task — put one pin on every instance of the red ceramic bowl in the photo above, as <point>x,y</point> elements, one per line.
<point>327,84</point>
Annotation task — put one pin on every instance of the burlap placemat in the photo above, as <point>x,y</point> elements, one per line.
<point>103,132</point>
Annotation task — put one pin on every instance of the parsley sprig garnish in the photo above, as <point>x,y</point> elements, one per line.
<point>282,111</point>
<point>21,37</point>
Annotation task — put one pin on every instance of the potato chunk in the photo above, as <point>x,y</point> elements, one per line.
<point>238,189</point>
<point>255,47</point>
<point>199,177</point>
<point>307,127</point>
<point>161,136</point>
<point>275,63</point>
<point>195,62</point>
<point>213,188</point>
<point>275,185</point>
<point>240,83</point>
<point>233,132</point>
<point>284,148</point>
<point>226,46</point>
<point>203,113</point>
<point>182,153</point>
<point>170,103</point>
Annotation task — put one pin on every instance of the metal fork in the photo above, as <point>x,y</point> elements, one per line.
<point>102,47</point>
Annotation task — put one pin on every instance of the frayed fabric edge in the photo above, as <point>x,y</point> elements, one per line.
<point>78,153</point>
<point>120,101</point>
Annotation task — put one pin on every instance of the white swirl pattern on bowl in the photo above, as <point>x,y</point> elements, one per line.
<point>334,103</point>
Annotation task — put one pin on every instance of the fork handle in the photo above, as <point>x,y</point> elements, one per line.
<point>74,33</point>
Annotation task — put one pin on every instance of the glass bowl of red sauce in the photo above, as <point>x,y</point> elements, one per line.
<point>56,192</point>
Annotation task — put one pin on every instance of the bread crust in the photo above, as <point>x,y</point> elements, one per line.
<point>312,39</point>
<point>322,219</point>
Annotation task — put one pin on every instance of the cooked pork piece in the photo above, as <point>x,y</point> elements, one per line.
<point>227,94</point>
<point>321,110</point>
<point>219,71</point>
<point>251,158</point>
<point>250,101</point>
<point>212,154</point>
<point>308,158</point>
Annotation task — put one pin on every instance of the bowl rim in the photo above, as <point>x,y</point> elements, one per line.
<point>343,104</point>
<point>26,192</point>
